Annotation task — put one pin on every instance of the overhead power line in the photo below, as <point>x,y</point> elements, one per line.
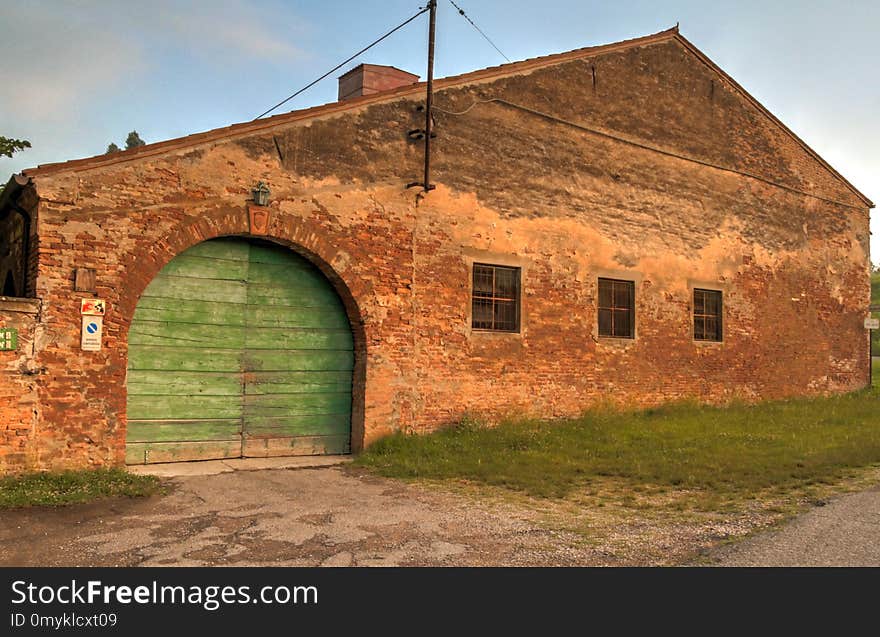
<point>341,64</point>
<point>479,30</point>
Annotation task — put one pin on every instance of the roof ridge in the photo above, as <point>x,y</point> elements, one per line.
<point>330,108</point>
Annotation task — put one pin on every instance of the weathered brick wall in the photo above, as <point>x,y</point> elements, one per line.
<point>513,187</point>
<point>19,404</point>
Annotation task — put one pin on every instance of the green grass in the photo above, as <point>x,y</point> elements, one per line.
<point>71,487</point>
<point>735,450</point>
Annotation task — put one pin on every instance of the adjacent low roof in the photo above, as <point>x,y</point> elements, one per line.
<point>248,128</point>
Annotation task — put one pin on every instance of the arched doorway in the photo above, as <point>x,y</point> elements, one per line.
<point>238,348</point>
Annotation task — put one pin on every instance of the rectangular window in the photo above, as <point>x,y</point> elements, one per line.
<point>707,315</point>
<point>495,298</point>
<point>617,308</point>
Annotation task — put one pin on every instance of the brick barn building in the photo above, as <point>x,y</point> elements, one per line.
<point>621,222</point>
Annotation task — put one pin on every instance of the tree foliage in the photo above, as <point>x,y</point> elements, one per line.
<point>134,140</point>
<point>8,146</point>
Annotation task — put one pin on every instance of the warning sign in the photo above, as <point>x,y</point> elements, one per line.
<point>92,329</point>
<point>872,324</point>
<point>93,307</point>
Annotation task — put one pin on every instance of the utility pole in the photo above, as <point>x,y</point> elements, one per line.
<point>429,100</point>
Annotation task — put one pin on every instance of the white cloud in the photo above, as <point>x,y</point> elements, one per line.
<point>75,74</point>
<point>59,56</point>
<point>57,62</point>
<point>234,30</point>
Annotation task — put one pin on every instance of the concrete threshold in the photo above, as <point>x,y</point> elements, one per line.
<point>214,467</point>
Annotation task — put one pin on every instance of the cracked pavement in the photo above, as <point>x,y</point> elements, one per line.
<point>333,516</point>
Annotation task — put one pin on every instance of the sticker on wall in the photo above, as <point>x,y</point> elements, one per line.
<point>93,307</point>
<point>8,339</point>
<point>92,329</point>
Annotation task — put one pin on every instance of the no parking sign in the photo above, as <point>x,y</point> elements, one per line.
<point>92,328</point>
<point>92,324</point>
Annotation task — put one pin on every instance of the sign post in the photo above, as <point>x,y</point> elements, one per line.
<point>871,324</point>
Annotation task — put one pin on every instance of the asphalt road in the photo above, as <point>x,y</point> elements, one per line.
<point>844,532</point>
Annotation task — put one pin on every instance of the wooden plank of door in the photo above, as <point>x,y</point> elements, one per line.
<point>285,425</point>
<point>293,360</point>
<point>152,452</point>
<point>147,382</point>
<point>183,311</point>
<point>297,446</point>
<point>295,317</point>
<point>293,382</point>
<point>184,430</point>
<point>190,335</point>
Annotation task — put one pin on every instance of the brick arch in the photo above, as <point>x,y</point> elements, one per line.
<point>294,233</point>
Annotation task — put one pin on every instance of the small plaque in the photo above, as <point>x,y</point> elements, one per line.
<point>8,339</point>
<point>86,279</point>
<point>259,219</point>
<point>93,307</point>
<point>872,323</point>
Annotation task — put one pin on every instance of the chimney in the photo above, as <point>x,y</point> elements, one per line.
<point>366,79</point>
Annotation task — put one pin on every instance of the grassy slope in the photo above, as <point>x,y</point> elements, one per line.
<point>735,450</point>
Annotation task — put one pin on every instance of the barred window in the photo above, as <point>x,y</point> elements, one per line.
<point>495,298</point>
<point>707,315</point>
<point>617,308</point>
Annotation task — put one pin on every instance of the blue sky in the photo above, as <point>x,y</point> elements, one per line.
<point>78,75</point>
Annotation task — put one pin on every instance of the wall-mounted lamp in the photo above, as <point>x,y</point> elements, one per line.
<point>261,194</point>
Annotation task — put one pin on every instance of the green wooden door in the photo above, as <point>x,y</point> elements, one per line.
<point>238,349</point>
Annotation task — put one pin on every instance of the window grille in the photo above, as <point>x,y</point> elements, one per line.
<point>496,294</point>
<point>617,308</point>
